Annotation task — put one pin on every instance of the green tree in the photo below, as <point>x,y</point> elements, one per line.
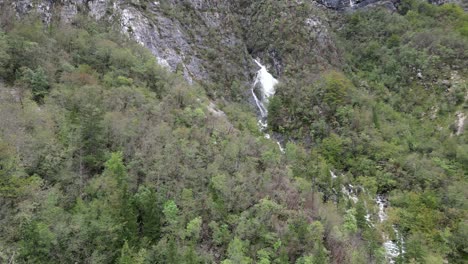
<point>332,149</point>
<point>236,253</point>
<point>361,213</point>
<point>4,56</point>
<point>194,228</point>
<point>37,81</point>
<point>220,234</point>
<point>14,183</point>
<point>37,243</point>
<point>128,256</point>
<point>115,168</point>
<point>85,128</point>
<point>337,87</point>
<point>350,223</point>
<point>171,214</point>
<point>150,213</point>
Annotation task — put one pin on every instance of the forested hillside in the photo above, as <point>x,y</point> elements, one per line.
<point>108,156</point>
<point>390,122</point>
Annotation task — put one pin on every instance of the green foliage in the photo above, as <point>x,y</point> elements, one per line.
<point>360,215</point>
<point>336,89</point>
<point>171,212</point>
<point>36,81</point>
<point>306,260</point>
<point>127,256</point>
<point>107,158</point>
<point>236,253</point>
<point>13,184</point>
<point>373,119</point>
<point>149,213</point>
<point>115,168</point>
<point>220,233</point>
<point>130,159</point>
<point>193,228</point>
<point>350,223</point>
<point>4,56</point>
<point>332,149</point>
<point>37,243</point>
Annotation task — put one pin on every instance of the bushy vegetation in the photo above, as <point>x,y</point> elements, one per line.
<point>105,157</point>
<point>292,36</point>
<point>387,119</point>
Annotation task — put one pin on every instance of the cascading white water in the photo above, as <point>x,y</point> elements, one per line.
<point>391,248</point>
<point>267,83</point>
<point>267,80</point>
<point>349,193</point>
<point>461,117</point>
<point>381,203</point>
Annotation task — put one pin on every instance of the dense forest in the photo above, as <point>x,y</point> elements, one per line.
<point>108,157</point>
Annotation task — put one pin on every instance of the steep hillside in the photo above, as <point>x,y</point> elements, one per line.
<point>202,131</point>
<point>209,41</point>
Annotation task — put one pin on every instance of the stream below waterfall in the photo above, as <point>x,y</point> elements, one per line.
<point>262,89</point>
<point>393,248</point>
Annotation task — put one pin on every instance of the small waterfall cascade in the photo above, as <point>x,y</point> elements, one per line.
<point>266,82</point>
<point>349,192</point>
<point>391,247</point>
<point>461,117</point>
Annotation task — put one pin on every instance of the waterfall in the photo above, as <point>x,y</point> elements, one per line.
<point>349,193</point>
<point>460,123</point>
<point>267,80</point>
<point>391,248</point>
<point>267,84</point>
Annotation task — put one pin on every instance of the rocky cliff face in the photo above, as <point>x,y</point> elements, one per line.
<point>185,36</point>
<point>355,4</point>
<point>161,26</point>
<point>212,39</point>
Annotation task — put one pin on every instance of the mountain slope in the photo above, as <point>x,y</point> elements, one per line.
<point>128,132</point>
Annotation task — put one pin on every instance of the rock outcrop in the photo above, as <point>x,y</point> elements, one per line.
<point>161,26</point>
<point>205,39</point>
<point>184,36</point>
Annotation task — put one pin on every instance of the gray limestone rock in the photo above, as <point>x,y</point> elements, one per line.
<point>186,35</point>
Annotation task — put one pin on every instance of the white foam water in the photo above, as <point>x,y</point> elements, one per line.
<point>267,83</point>
<point>391,247</point>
